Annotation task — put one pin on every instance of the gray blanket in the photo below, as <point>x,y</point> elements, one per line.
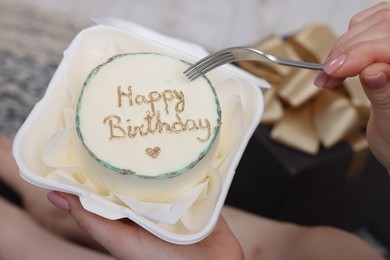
<point>31,45</point>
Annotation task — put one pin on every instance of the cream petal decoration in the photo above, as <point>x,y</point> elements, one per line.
<point>191,219</point>
<point>232,119</point>
<point>72,177</point>
<point>58,152</point>
<point>169,212</point>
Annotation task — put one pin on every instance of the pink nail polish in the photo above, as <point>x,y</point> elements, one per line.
<point>321,79</point>
<point>335,64</point>
<point>57,200</point>
<point>376,81</point>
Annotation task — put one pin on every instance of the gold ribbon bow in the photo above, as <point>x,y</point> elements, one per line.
<point>303,116</point>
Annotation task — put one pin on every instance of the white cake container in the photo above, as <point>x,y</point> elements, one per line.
<point>41,124</point>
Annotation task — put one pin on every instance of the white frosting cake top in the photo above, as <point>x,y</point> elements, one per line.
<point>139,115</point>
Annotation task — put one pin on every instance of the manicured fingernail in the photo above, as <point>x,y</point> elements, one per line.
<point>376,81</point>
<point>57,200</point>
<point>335,64</point>
<point>321,79</point>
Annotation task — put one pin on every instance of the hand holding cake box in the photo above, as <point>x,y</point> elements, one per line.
<point>124,129</point>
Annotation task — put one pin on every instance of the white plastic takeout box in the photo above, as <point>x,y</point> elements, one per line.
<point>40,125</point>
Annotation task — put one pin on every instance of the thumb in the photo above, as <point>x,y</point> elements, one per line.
<point>120,238</point>
<point>376,83</point>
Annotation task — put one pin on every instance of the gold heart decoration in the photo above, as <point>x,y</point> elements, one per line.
<point>153,152</point>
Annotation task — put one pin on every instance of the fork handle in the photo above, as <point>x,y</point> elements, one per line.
<point>299,64</point>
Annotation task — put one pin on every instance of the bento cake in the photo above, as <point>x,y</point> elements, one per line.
<point>138,116</point>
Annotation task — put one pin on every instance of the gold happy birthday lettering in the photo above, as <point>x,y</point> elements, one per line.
<point>152,125</point>
<point>120,129</point>
<point>153,97</point>
<point>129,96</point>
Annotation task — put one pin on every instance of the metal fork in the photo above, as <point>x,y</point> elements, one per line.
<point>233,54</point>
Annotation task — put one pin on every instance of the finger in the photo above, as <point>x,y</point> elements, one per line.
<point>323,80</point>
<point>361,16</point>
<point>363,26</point>
<point>375,29</point>
<point>357,57</point>
<point>85,219</point>
<point>372,27</point>
<point>116,236</point>
<point>376,82</point>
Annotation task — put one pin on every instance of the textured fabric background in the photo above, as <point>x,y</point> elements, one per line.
<point>31,46</point>
<point>216,24</point>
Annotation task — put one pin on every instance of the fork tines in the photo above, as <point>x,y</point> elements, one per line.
<point>208,63</point>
